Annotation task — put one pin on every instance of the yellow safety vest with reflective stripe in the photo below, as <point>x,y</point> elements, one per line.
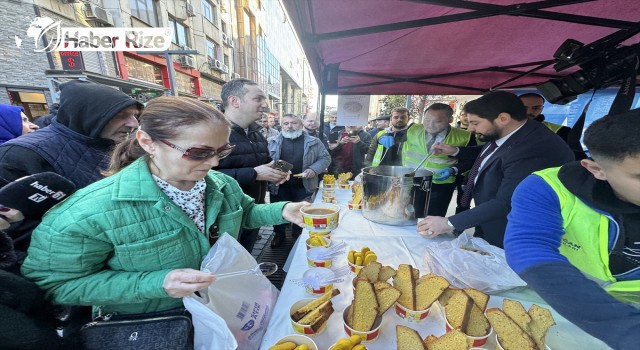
<point>552,126</point>
<point>586,239</point>
<point>415,149</point>
<point>377,157</point>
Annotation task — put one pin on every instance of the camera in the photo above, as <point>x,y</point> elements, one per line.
<point>600,65</point>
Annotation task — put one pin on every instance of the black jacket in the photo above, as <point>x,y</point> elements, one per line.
<point>71,146</point>
<point>533,147</point>
<point>28,318</point>
<point>251,150</point>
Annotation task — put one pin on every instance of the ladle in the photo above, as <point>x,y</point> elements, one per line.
<point>413,173</point>
<point>264,268</point>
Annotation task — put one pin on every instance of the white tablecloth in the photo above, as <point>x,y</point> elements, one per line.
<point>394,245</point>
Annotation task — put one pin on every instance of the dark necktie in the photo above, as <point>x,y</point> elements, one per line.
<point>465,201</point>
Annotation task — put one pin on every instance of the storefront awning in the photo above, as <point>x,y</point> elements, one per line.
<point>55,77</point>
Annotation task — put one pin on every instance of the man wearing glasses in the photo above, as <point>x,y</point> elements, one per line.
<point>244,104</point>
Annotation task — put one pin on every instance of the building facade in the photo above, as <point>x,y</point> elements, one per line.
<point>213,42</point>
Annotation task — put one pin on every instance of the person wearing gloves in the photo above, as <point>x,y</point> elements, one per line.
<point>309,158</point>
<point>14,123</point>
<point>436,128</point>
<point>386,146</point>
<point>574,233</point>
<point>91,120</point>
<point>133,242</point>
<point>515,148</point>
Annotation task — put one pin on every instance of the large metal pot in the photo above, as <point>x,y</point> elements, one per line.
<point>393,198</point>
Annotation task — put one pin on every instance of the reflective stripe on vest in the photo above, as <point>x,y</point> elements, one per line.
<point>415,149</point>
<point>552,126</point>
<point>377,157</point>
<point>586,237</point>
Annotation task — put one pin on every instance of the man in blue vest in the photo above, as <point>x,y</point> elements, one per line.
<point>574,233</point>
<point>91,120</point>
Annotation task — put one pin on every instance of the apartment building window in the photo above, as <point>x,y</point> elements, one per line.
<point>223,27</point>
<point>212,48</point>
<point>145,10</point>
<point>210,12</point>
<point>226,60</point>
<point>180,36</point>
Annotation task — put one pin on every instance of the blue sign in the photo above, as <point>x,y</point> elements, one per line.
<point>569,113</point>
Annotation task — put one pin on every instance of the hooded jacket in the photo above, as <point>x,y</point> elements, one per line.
<point>10,122</point>
<point>71,146</point>
<point>535,233</point>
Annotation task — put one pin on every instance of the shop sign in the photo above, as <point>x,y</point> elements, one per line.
<point>71,60</point>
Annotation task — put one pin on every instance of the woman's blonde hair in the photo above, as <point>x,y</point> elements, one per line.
<point>163,119</point>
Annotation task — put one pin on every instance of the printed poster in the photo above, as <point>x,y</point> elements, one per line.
<point>353,110</point>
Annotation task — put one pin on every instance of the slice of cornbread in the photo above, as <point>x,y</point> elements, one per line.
<point>510,335</point>
<point>371,271</point>
<point>405,282</point>
<point>429,289</point>
<point>408,339</point>
<point>385,273</point>
<point>517,313</point>
<point>458,309</point>
<point>365,306</point>
<point>478,325</point>
<point>387,297</point>
<point>541,321</point>
<point>301,312</point>
<point>444,297</point>
<point>318,313</point>
<point>381,285</point>
<point>478,297</point>
<point>454,340</point>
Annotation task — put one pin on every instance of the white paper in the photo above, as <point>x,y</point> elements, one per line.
<point>353,110</point>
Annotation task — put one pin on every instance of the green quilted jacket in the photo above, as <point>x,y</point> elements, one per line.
<point>112,243</point>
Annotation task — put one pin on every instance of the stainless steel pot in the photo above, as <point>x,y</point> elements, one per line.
<point>392,198</point>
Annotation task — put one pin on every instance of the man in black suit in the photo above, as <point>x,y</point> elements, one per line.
<point>515,147</point>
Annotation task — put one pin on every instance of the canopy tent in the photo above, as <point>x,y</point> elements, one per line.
<point>451,46</point>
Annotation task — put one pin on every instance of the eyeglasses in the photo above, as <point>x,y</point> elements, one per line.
<point>198,153</point>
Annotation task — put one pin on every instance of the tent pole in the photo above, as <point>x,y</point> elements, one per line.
<point>322,101</point>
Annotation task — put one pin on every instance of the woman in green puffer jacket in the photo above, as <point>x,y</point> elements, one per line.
<point>133,242</point>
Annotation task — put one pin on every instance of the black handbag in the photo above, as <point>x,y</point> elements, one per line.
<point>172,332</point>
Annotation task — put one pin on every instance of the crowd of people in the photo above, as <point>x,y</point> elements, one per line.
<point>157,184</point>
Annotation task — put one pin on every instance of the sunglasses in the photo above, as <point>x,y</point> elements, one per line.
<point>198,153</point>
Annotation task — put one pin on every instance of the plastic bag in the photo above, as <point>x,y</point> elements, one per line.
<point>244,302</point>
<point>211,331</point>
<point>485,269</point>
